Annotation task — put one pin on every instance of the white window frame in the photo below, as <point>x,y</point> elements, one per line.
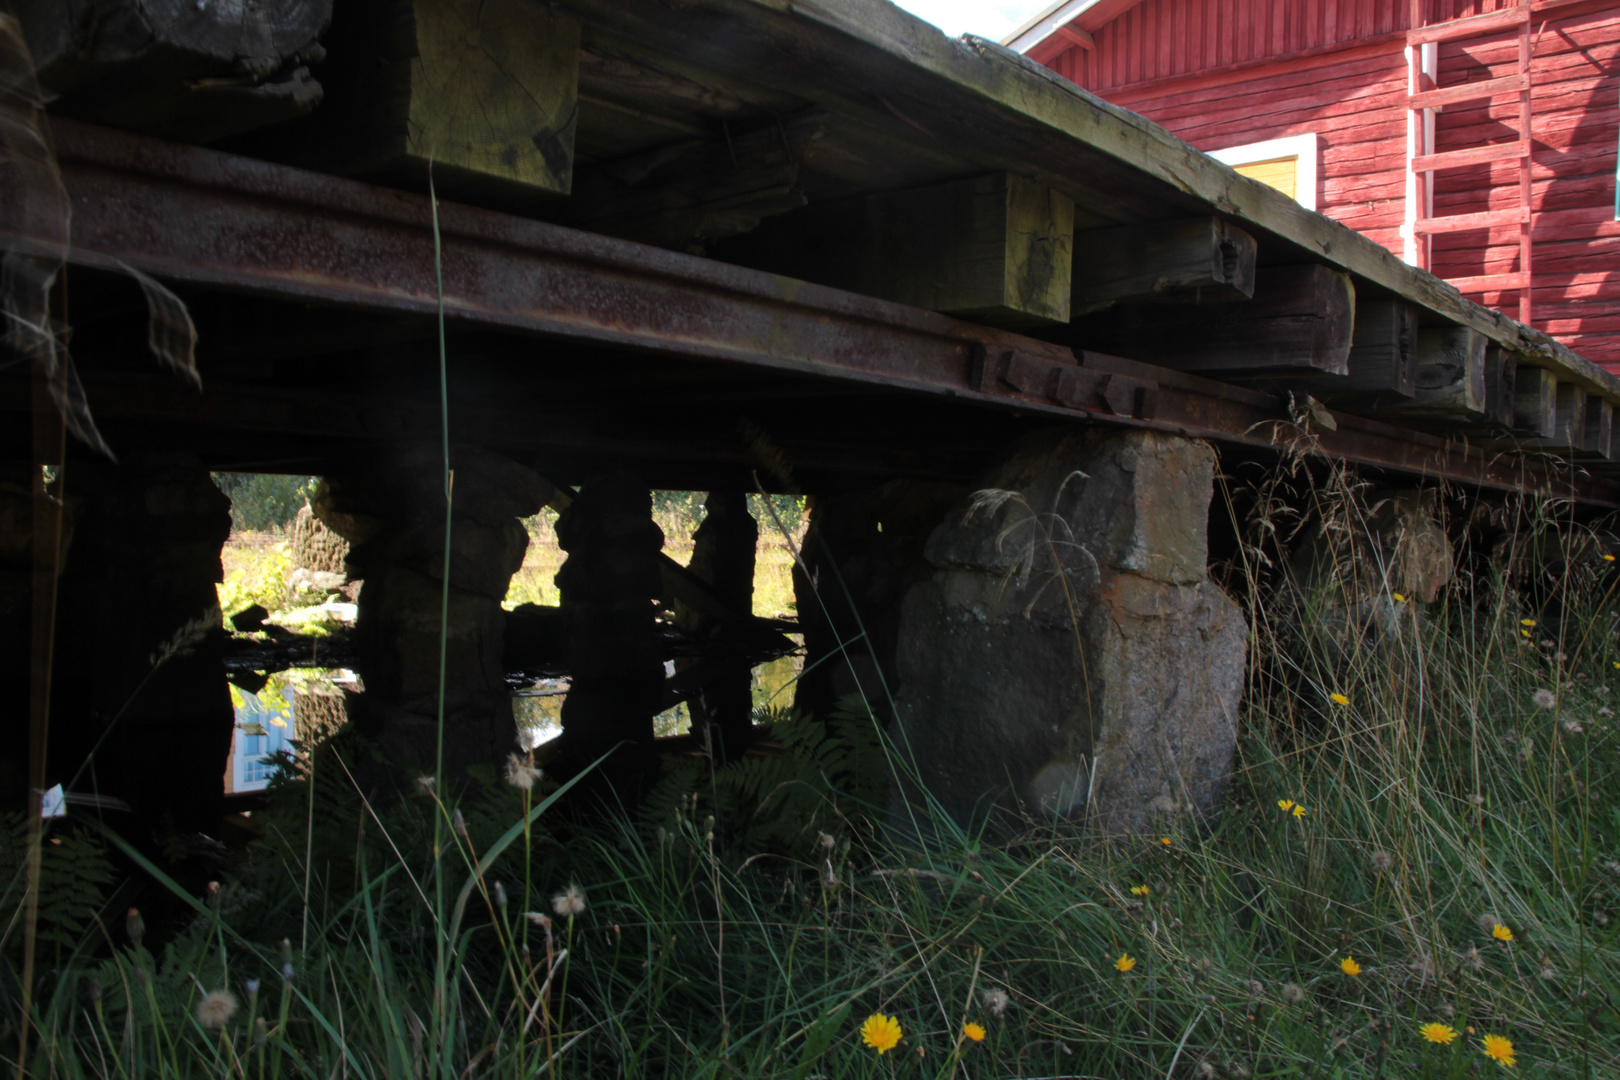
<point>1303,148</point>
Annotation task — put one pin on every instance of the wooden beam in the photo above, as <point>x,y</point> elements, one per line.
<point>1383,358</point>
<point>1599,440</point>
<point>996,248</point>
<point>1076,36</point>
<point>1501,386</point>
<point>1198,260</point>
<point>1450,383</point>
<point>1299,322</point>
<point>1533,402</point>
<point>485,90</point>
<point>1569,419</point>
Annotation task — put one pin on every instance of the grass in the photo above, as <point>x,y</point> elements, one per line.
<point>1421,842</point>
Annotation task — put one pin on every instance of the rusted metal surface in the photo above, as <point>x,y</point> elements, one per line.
<point>203,217</point>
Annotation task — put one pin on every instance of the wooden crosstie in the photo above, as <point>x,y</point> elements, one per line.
<point>1427,100</point>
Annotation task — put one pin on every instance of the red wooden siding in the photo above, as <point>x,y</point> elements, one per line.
<point>1285,67</point>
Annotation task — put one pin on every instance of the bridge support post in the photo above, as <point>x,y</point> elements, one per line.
<point>1069,656</point>
<point>394,518</point>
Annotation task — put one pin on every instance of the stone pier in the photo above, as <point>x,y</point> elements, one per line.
<point>723,550</point>
<point>139,640</point>
<point>393,517</point>
<point>1068,656</point>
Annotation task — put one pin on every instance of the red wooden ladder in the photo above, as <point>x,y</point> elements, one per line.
<point>1426,100</point>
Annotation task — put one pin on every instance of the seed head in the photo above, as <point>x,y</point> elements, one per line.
<point>1257,988</point>
<point>1544,699</point>
<point>500,896</point>
<point>135,927</point>
<point>1476,799</point>
<point>1571,725</point>
<point>261,1032</point>
<point>521,773</point>
<point>1382,861</point>
<point>997,1001</point>
<point>216,1008</point>
<point>540,919</point>
<point>252,986</point>
<point>569,902</point>
<point>425,785</point>
<point>1293,993</point>
<point>1470,960</point>
<point>458,823</point>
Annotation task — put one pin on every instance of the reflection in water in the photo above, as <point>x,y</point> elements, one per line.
<point>303,702</point>
<point>539,712</point>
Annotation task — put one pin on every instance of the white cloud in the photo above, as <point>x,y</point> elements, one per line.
<point>993,19</point>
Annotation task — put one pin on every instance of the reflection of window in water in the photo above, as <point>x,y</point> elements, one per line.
<point>264,727</point>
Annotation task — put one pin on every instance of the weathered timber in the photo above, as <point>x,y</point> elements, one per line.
<point>1569,420</point>
<point>695,191</point>
<point>1450,383</point>
<point>1599,436</point>
<point>1533,402</point>
<point>177,68</point>
<point>1382,364</point>
<point>1501,386</point>
<point>485,90</point>
<point>997,248</point>
<point>1199,260</point>
<point>1299,322</point>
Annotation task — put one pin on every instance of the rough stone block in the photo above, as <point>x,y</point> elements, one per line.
<point>1069,655</point>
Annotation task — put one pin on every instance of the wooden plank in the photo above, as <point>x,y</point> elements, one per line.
<point>1470,91</point>
<point>1202,260</point>
<point>487,90</point>
<point>998,248</point>
<point>1475,26</point>
<point>1476,155</point>
<point>1488,219</point>
<point>1299,322</point>
<point>1450,382</point>
<point>1489,282</point>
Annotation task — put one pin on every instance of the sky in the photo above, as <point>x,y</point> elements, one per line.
<point>993,19</point>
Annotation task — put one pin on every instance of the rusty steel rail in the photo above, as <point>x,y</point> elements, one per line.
<point>198,216</point>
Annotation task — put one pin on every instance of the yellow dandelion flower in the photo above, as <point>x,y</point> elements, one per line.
<point>973,1031</point>
<point>1285,805</point>
<point>881,1033</point>
<point>1527,622</point>
<point>1399,599</point>
<point>1299,811</point>
<point>1501,933</point>
<point>1349,966</point>
<point>1165,840</point>
<point>1608,558</point>
<point>1444,1034</point>
<point>1125,962</point>
<point>1140,890</point>
<point>1526,633</point>
<point>1499,1048</point>
<point>1339,699</point>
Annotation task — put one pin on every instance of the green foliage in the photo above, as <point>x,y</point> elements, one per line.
<point>826,778</point>
<point>264,502</point>
<point>74,875</point>
<point>1468,774</point>
<point>260,578</point>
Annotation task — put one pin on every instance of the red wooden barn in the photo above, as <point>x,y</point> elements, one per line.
<point>1476,138</point>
